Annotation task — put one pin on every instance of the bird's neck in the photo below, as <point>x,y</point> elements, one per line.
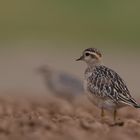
<point>94,64</point>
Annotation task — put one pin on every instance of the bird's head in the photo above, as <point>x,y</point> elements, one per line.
<point>44,70</point>
<point>91,56</point>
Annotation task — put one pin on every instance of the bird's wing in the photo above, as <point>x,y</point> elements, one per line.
<point>106,83</point>
<point>71,82</point>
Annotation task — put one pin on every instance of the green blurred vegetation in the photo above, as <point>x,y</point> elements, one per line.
<point>83,20</point>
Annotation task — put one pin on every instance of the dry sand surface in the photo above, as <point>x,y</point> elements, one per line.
<point>49,118</point>
<point>56,119</point>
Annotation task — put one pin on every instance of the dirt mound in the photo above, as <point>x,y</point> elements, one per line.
<point>57,119</point>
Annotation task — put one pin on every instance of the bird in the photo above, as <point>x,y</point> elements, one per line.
<point>104,87</point>
<point>61,84</point>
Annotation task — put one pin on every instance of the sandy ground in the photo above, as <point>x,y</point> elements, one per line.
<point>42,117</point>
<point>57,119</point>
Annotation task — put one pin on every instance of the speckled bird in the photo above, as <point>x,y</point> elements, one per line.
<point>61,84</point>
<point>105,88</point>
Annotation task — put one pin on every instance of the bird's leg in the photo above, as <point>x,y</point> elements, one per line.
<point>102,113</point>
<point>115,114</point>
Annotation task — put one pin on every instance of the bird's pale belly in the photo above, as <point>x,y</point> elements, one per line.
<point>101,103</point>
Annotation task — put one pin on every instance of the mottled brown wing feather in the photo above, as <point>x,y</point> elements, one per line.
<point>105,82</point>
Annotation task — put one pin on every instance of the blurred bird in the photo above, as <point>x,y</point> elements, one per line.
<point>61,84</point>
<point>105,87</point>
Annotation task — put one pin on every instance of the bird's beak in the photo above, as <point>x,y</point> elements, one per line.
<point>80,59</point>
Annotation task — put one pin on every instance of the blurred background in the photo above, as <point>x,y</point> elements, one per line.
<point>34,33</point>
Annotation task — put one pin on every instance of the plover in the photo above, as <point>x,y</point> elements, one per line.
<point>105,88</point>
<point>61,84</point>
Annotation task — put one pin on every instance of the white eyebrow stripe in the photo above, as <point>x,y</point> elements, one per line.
<point>95,54</point>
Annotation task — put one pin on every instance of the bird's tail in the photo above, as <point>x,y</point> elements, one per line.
<point>137,106</point>
<point>130,101</point>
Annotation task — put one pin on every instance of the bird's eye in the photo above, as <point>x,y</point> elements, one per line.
<point>87,54</point>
